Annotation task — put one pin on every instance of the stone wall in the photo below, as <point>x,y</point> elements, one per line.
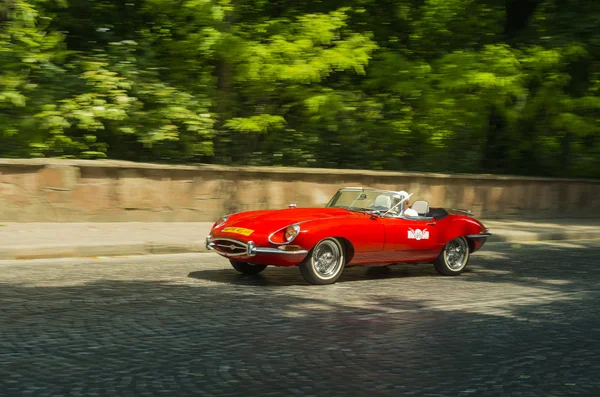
<point>50,190</point>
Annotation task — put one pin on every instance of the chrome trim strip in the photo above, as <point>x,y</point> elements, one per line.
<point>251,249</point>
<point>232,255</point>
<point>468,212</point>
<point>481,235</point>
<point>412,218</point>
<point>262,250</point>
<point>209,244</point>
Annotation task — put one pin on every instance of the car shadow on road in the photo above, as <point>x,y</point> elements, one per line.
<point>503,263</point>
<point>289,276</point>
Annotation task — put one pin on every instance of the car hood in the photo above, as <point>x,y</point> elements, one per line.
<point>272,220</point>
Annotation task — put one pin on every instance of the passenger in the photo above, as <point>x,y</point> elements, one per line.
<point>407,210</point>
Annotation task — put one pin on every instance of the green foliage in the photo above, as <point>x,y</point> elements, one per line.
<point>28,56</point>
<point>436,85</point>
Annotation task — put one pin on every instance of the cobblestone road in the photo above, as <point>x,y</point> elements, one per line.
<point>524,321</point>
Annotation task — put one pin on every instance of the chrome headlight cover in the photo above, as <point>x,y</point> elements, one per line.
<point>291,232</point>
<point>294,231</point>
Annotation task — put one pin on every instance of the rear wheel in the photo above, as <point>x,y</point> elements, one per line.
<point>247,268</point>
<point>454,258</point>
<point>325,263</point>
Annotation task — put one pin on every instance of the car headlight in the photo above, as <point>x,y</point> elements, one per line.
<point>284,235</point>
<point>221,221</point>
<point>291,232</point>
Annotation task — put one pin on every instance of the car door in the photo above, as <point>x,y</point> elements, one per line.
<point>410,239</point>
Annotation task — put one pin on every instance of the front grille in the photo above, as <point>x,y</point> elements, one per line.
<point>230,247</point>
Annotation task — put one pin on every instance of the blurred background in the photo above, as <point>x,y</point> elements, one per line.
<point>478,86</point>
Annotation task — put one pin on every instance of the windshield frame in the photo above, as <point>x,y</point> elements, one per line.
<point>359,191</point>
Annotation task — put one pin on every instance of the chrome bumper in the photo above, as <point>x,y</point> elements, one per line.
<point>481,235</point>
<point>251,249</point>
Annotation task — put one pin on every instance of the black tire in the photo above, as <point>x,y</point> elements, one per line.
<point>331,252</point>
<point>247,268</point>
<point>454,257</point>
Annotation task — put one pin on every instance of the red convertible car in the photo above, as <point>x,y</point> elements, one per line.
<point>357,227</point>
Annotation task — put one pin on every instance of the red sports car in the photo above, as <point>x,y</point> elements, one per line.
<point>357,227</point>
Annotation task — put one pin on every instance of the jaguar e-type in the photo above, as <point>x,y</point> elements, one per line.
<point>357,227</point>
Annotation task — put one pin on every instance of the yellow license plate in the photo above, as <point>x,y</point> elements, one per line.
<point>238,230</point>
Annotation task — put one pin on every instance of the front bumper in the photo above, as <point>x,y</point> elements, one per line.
<point>249,248</point>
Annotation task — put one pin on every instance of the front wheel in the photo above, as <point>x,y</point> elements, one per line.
<point>247,268</point>
<point>453,259</point>
<point>325,263</point>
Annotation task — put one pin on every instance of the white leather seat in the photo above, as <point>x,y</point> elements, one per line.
<point>421,206</point>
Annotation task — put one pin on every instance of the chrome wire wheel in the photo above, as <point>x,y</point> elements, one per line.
<point>325,263</point>
<point>456,252</point>
<point>326,259</point>
<point>454,257</point>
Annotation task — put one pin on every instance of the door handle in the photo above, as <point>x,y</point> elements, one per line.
<point>431,224</point>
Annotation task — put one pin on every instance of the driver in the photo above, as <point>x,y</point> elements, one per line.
<point>407,211</point>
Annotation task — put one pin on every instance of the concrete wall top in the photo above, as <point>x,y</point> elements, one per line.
<point>56,190</point>
<point>119,164</point>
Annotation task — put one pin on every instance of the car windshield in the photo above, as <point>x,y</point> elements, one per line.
<point>366,200</point>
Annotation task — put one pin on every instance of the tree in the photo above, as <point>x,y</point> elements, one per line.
<point>499,86</point>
